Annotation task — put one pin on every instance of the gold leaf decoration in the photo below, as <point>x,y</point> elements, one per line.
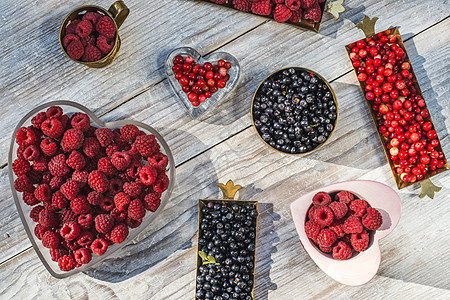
<point>335,8</point>
<point>229,190</point>
<point>367,25</point>
<point>428,189</point>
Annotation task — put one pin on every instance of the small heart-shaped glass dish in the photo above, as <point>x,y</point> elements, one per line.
<point>363,266</point>
<point>216,98</point>
<point>69,108</point>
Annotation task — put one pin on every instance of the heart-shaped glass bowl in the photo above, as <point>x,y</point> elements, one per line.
<point>70,107</point>
<point>216,98</point>
<point>361,268</point>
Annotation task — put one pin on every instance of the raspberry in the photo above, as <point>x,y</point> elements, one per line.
<point>71,28</point>
<point>118,139</point>
<point>119,233</point>
<point>66,263</point>
<point>49,206</point>
<point>359,207</point>
<point>281,13</point>
<point>84,28</point>
<point>20,151</point>
<point>146,145</point>
<point>129,132</point>
<point>91,53</point>
<point>104,223</point>
<point>70,245</point>
<point>372,220</point>
<point>105,26</point>
<point>115,186</point>
<point>23,184</point>
<point>81,177</point>
<point>313,13</point>
<point>52,128</point>
<point>73,139</point>
<point>76,160</point>
<point>323,216</point>
<point>293,5</point>
<point>48,147</point>
<point>57,166</point>
<point>105,165</point>
<point>121,200</point>
<point>134,154</point>
<point>69,189</point>
<point>67,215</point>
<point>94,198</point>
<point>43,193</point>
<point>98,181</point>
<point>29,198</point>
<point>152,201</point>
<point>67,39</point>
<point>360,241</point>
<point>133,189</point>
<point>161,183</point>
<point>56,253</point>
<point>243,5</point>
<point>41,165</point>
<point>85,238</point>
<point>85,221</point>
<point>34,213</point>
<point>338,227</point>
<point>118,215</point>
<point>104,136</point>
<point>321,199</point>
<point>344,197</point>
<point>158,161</point>
<point>59,201</point>
<point>353,225</point>
<point>25,136</point>
<point>326,237</point>
<point>88,40</point>
<point>120,160</point>
<point>21,166</point>
<point>48,218</point>
<point>103,45</point>
<point>70,231</point>
<point>107,204</point>
<point>38,119</point>
<point>56,182</point>
<point>82,256</point>
<point>81,122</point>
<point>326,249</point>
<point>148,175</point>
<point>312,230</point>
<point>308,3</point>
<point>339,209</point>
<point>75,49</point>
<point>92,16</point>
<point>99,246</point>
<point>39,231</point>
<point>311,212</point>
<point>263,7</point>
<point>80,205</point>
<point>136,210</point>
<point>133,223</point>
<point>110,149</point>
<point>342,251</point>
<point>31,153</point>
<point>134,168</point>
<point>54,112</point>
<point>91,146</point>
<point>50,239</point>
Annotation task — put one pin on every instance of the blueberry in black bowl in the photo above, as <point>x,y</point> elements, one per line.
<point>294,110</point>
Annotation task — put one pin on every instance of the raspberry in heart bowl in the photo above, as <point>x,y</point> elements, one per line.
<point>85,188</point>
<point>340,225</point>
<point>201,83</point>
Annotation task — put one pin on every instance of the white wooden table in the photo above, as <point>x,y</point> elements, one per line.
<point>160,263</point>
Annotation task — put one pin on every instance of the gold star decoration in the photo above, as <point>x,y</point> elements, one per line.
<point>428,189</point>
<point>367,25</point>
<point>229,190</point>
<point>335,8</point>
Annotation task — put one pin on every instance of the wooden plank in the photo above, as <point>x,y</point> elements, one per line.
<point>347,146</point>
<point>162,267</point>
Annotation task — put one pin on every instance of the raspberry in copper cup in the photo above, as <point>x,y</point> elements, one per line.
<point>89,34</point>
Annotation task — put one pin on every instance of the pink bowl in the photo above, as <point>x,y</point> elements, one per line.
<point>360,268</point>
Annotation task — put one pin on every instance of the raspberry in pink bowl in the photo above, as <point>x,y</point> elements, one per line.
<point>85,188</point>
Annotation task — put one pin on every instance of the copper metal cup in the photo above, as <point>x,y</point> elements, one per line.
<point>118,12</point>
